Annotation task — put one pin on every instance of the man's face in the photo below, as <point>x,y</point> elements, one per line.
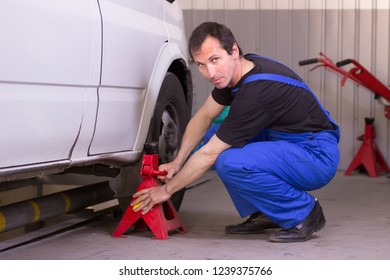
<point>216,65</point>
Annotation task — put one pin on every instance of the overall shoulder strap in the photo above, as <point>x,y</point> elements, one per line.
<point>276,78</point>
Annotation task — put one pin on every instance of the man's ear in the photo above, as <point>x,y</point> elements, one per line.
<point>235,50</point>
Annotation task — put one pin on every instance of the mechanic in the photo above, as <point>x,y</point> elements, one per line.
<point>276,144</point>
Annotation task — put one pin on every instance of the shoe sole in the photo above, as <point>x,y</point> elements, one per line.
<point>318,228</point>
<point>265,230</point>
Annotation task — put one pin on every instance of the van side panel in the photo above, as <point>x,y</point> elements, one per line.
<point>45,78</point>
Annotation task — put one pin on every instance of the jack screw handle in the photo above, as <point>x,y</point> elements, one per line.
<point>149,171</point>
<point>159,172</point>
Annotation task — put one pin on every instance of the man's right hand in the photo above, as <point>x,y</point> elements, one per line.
<point>171,168</point>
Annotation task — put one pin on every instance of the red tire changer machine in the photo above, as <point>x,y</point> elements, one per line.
<point>368,156</point>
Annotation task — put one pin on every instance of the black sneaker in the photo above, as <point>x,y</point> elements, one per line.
<point>256,223</point>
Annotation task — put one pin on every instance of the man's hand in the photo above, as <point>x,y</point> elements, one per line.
<point>147,198</point>
<point>171,168</point>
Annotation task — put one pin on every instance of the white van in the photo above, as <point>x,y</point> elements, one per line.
<point>85,83</point>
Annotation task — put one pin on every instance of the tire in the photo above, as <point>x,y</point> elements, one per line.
<point>167,126</point>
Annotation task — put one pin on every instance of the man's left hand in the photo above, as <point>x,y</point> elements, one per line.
<point>147,198</point>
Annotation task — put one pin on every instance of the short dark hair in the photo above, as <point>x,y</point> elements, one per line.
<point>218,31</point>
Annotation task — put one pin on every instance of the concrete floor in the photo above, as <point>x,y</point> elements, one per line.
<point>357,209</point>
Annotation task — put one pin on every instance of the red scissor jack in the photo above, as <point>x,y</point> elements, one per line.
<point>163,217</point>
<point>369,155</point>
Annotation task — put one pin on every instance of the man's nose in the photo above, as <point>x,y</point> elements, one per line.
<point>210,72</point>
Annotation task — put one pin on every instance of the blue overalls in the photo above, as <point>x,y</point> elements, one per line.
<point>274,174</point>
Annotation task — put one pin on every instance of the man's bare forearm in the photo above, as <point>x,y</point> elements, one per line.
<point>197,165</point>
<point>193,135</point>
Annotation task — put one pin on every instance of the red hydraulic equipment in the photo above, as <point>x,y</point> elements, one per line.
<point>358,74</point>
<point>163,217</point>
<point>368,156</point>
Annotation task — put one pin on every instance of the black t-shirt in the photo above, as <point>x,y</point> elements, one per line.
<point>267,104</point>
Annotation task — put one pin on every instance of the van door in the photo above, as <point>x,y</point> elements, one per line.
<point>49,69</point>
<point>133,33</point>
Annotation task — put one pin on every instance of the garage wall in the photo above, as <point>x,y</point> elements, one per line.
<point>293,30</point>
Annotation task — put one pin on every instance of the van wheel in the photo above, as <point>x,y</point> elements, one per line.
<point>169,121</point>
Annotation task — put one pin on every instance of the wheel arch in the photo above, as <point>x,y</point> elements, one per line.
<point>170,59</point>
<point>183,73</point>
